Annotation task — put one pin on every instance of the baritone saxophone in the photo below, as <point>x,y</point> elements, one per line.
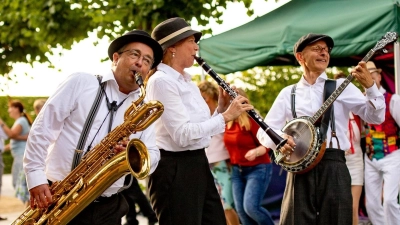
<point>100,167</point>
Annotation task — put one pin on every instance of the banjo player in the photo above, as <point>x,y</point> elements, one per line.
<point>323,194</point>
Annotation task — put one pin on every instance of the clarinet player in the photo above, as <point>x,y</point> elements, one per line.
<point>182,189</point>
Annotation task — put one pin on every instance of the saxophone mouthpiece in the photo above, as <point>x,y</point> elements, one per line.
<point>139,79</point>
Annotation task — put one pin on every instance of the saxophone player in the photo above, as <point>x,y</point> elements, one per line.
<point>58,127</point>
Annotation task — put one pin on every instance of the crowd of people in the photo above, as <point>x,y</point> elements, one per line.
<point>209,161</point>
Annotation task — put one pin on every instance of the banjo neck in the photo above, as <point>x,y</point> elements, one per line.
<point>337,92</point>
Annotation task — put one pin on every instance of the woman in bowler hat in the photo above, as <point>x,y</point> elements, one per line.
<point>182,189</point>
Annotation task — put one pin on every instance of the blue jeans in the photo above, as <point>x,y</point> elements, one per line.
<point>249,186</point>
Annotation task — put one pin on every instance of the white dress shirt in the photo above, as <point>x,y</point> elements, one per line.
<point>309,98</point>
<point>185,123</point>
<point>217,151</point>
<point>56,131</point>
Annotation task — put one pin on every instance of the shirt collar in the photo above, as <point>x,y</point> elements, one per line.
<point>321,79</point>
<point>172,72</point>
<point>109,76</point>
<point>382,90</point>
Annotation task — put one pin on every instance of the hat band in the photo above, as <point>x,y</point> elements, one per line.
<point>176,33</point>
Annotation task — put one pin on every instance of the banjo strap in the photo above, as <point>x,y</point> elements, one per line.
<point>330,86</point>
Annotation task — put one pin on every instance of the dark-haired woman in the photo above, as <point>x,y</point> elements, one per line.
<point>18,135</point>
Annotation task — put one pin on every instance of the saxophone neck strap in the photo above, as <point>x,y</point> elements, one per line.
<point>88,123</point>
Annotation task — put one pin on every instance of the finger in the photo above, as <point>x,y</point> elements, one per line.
<point>32,202</point>
<point>38,203</point>
<point>43,201</point>
<point>48,196</point>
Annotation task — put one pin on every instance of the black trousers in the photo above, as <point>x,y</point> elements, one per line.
<point>134,195</point>
<point>182,190</point>
<point>321,196</point>
<point>104,211</point>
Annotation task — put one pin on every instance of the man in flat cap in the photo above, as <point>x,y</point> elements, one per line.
<point>321,194</point>
<point>382,159</point>
<point>52,150</point>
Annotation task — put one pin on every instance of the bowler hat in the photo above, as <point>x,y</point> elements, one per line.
<point>311,38</point>
<point>173,30</point>
<point>372,68</point>
<point>137,36</point>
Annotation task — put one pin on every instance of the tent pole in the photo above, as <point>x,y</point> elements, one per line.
<point>397,67</point>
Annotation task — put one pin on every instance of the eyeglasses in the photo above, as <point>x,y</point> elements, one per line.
<point>319,49</point>
<point>136,55</point>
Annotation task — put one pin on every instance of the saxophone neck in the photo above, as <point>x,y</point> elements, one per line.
<point>142,95</point>
<point>135,104</point>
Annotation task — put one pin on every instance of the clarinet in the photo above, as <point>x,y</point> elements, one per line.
<point>278,140</point>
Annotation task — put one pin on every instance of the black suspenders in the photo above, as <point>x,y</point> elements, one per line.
<point>330,86</point>
<point>88,124</point>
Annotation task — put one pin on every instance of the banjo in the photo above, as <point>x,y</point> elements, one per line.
<point>309,145</point>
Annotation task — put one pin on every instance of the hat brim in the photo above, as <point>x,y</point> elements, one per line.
<point>375,70</point>
<point>197,36</point>
<point>126,39</point>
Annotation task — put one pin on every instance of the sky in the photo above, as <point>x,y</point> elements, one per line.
<point>39,80</point>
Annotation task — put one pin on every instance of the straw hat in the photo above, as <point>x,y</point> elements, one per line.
<point>372,68</point>
<point>173,30</point>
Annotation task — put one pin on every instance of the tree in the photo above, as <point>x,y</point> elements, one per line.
<point>30,30</point>
<point>263,84</point>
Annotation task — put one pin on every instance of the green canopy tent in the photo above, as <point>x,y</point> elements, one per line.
<point>355,26</point>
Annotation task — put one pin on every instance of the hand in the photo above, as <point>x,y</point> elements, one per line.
<point>121,145</point>
<point>289,147</point>
<point>224,100</point>
<point>361,73</point>
<point>251,155</point>
<point>256,152</point>
<point>237,107</point>
<point>40,196</point>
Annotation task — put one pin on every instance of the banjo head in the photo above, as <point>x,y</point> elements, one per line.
<point>305,136</point>
<point>302,132</point>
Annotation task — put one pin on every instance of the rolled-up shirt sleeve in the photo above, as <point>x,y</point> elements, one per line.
<point>45,130</point>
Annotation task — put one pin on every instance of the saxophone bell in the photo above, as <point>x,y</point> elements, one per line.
<point>138,158</point>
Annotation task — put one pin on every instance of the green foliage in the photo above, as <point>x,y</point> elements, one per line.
<point>263,84</point>
<point>27,102</point>
<point>8,160</point>
<point>31,30</point>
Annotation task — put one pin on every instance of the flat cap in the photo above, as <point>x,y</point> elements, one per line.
<point>311,38</point>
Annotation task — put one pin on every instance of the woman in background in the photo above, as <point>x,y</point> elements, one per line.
<point>251,169</point>
<point>218,157</point>
<point>38,105</point>
<point>18,131</point>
